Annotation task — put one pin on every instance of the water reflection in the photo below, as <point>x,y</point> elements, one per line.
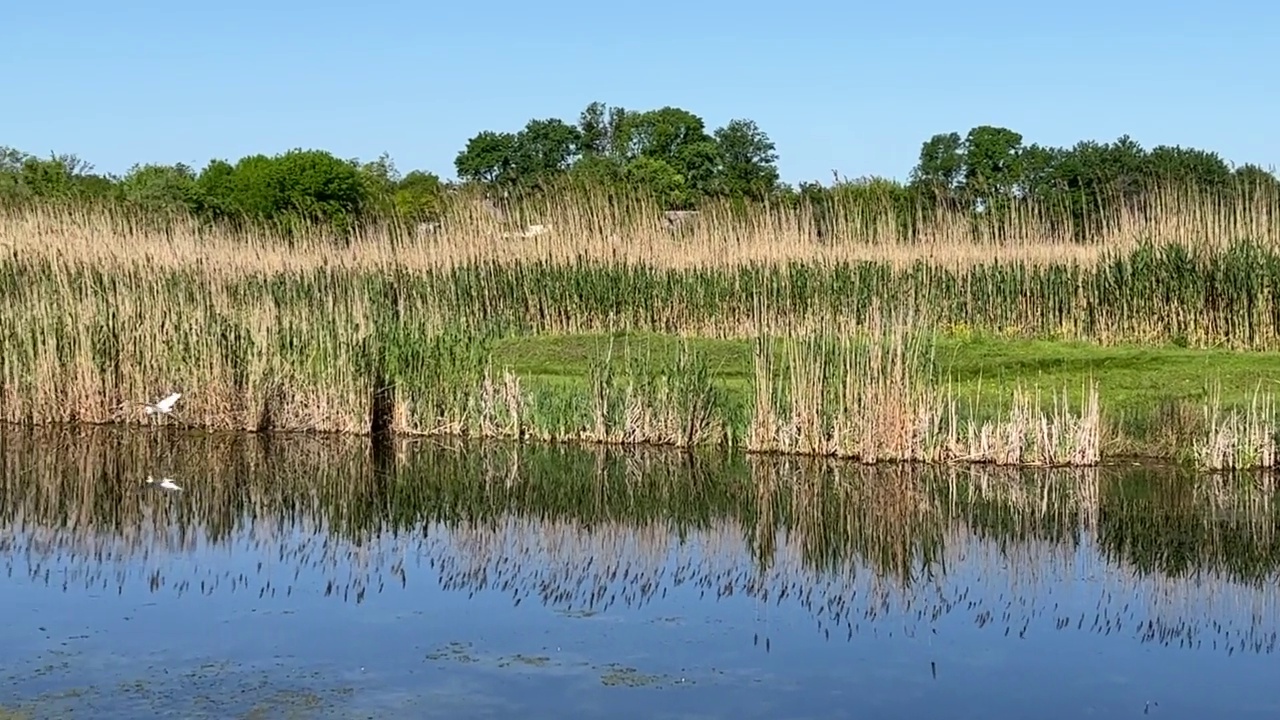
<point>761,570</point>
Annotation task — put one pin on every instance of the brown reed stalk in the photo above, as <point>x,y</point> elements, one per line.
<point>593,227</point>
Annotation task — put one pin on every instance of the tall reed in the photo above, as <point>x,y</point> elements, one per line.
<point>393,330</point>
<point>875,395</point>
<point>1144,290</point>
<point>596,228</point>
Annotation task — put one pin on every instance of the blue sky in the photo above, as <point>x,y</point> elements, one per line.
<point>855,87</point>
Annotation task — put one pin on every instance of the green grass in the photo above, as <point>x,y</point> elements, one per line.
<point>347,350</point>
<point>1138,385</point>
<point>1129,376</point>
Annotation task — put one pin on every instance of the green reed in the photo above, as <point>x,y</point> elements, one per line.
<point>1167,293</point>
<point>344,349</point>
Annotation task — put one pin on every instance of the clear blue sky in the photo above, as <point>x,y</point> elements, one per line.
<point>851,86</point>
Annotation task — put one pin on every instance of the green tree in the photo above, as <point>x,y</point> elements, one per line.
<point>657,177</point>
<point>58,178</point>
<point>673,145</point>
<point>544,149</point>
<point>160,189</point>
<point>380,179</point>
<point>941,165</point>
<point>596,171</point>
<point>748,160</point>
<point>603,131</point>
<point>419,197</point>
<point>214,193</point>
<point>1253,181</point>
<point>299,185</point>
<point>1175,165</point>
<point>314,185</point>
<point>992,163</point>
<point>660,134</point>
<point>488,158</point>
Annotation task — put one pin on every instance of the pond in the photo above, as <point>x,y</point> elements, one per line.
<point>317,577</point>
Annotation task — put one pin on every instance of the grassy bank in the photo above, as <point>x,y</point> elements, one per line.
<point>964,342</point>
<point>1144,387</point>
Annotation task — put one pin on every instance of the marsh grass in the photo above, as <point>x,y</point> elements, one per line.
<point>324,353</point>
<point>1031,434</point>
<point>1188,270</point>
<point>1238,438</point>
<point>630,231</point>
<point>393,330</point>
<point>875,395</point>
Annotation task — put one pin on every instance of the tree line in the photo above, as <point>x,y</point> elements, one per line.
<point>667,155</point>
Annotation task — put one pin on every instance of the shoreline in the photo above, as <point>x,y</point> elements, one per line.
<point>1140,350</point>
<point>1104,461</point>
<point>852,401</point>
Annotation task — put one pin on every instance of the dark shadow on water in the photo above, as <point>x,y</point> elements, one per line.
<point>321,577</point>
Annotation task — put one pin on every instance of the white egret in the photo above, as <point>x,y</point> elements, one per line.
<point>165,406</point>
<point>166,483</point>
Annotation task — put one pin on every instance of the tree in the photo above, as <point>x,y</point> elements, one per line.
<point>380,179</point>
<point>941,165</point>
<point>253,188</point>
<point>748,160</point>
<point>307,185</point>
<point>316,186</point>
<point>1039,179</point>
<point>544,149</point>
<point>489,158</point>
<point>678,139</point>
<point>1252,181</point>
<point>992,163</point>
<point>214,191</point>
<point>160,189</point>
<point>1187,166</point>
<point>657,177</point>
<point>1090,178</point>
<point>59,178</point>
<point>660,134</point>
<point>597,171</point>
<point>419,197</point>
<point>603,132</point>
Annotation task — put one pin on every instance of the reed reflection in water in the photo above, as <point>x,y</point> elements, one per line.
<point>323,576</point>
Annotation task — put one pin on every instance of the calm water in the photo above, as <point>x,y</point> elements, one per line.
<point>294,577</point>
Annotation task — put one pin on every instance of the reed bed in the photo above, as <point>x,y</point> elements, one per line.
<point>1154,289</point>
<point>392,329</point>
<point>593,228</point>
<point>860,547</point>
<point>873,397</point>
<point>1239,438</point>
<point>371,366</point>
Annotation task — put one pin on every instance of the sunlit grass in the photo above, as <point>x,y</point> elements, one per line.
<point>615,329</point>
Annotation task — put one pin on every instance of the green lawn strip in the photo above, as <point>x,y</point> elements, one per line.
<point>1135,383</point>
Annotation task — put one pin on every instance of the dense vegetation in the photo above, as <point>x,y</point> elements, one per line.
<point>232,285</point>
<point>667,156</point>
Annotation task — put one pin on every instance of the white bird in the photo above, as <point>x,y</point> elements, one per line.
<point>164,406</point>
<point>166,483</point>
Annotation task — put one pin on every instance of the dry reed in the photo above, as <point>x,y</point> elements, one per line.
<point>871,396</point>
<point>104,311</point>
<point>585,228</point>
<point>1238,439</point>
